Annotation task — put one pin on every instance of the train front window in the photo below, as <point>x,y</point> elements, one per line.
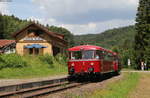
<point>89,54</point>
<point>76,55</point>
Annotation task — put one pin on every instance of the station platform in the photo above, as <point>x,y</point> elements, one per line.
<point>8,82</point>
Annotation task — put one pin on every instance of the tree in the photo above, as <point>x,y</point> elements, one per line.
<point>68,36</point>
<point>142,36</point>
<point>1,27</point>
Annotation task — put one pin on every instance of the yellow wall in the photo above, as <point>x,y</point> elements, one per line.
<point>20,48</point>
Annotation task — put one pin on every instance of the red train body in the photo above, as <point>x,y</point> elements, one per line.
<point>89,59</point>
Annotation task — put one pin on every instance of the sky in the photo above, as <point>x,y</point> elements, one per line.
<point>78,16</point>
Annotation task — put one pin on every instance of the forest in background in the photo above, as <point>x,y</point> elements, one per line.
<point>117,37</point>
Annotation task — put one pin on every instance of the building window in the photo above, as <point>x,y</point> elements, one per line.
<point>36,51</point>
<point>30,50</point>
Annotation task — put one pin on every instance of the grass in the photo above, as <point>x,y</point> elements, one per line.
<point>35,68</point>
<point>119,89</point>
<point>127,69</point>
<point>143,88</point>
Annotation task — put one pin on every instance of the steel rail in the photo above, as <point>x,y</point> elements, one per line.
<point>43,90</point>
<point>51,90</point>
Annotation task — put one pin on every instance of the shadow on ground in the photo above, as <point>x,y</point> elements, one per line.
<point>92,78</point>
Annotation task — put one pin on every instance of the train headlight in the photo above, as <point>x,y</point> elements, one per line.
<point>92,64</point>
<point>72,64</point>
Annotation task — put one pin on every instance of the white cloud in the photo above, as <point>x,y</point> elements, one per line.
<point>72,8</point>
<point>4,8</point>
<point>89,28</point>
<point>97,27</point>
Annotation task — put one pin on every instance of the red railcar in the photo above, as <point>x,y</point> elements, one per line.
<point>89,59</point>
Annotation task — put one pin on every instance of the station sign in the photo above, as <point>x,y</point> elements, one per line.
<point>33,39</point>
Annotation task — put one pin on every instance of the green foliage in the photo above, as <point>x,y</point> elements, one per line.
<point>11,61</point>
<point>1,27</point>
<point>125,54</point>
<point>120,89</point>
<point>12,24</point>
<point>147,55</point>
<point>48,59</point>
<point>37,66</point>
<point>61,59</point>
<point>109,38</point>
<point>68,36</point>
<point>142,38</point>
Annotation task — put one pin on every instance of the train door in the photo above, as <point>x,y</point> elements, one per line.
<point>104,62</point>
<point>100,55</point>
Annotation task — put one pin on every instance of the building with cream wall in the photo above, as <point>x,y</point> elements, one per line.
<point>37,40</point>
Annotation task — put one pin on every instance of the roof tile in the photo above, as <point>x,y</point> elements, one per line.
<point>6,42</point>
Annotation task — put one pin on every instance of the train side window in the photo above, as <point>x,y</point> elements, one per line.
<point>108,56</point>
<point>115,58</point>
<point>99,54</point>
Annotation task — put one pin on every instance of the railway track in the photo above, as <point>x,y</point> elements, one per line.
<point>41,88</point>
<point>34,90</point>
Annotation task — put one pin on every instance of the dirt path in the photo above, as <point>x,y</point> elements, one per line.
<point>87,88</point>
<point>143,88</point>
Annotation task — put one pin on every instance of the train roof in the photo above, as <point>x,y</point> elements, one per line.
<point>90,47</point>
<point>85,47</point>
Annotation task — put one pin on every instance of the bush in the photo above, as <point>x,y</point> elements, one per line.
<point>54,61</point>
<point>49,59</point>
<point>17,61</point>
<point>11,61</point>
<point>61,59</point>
